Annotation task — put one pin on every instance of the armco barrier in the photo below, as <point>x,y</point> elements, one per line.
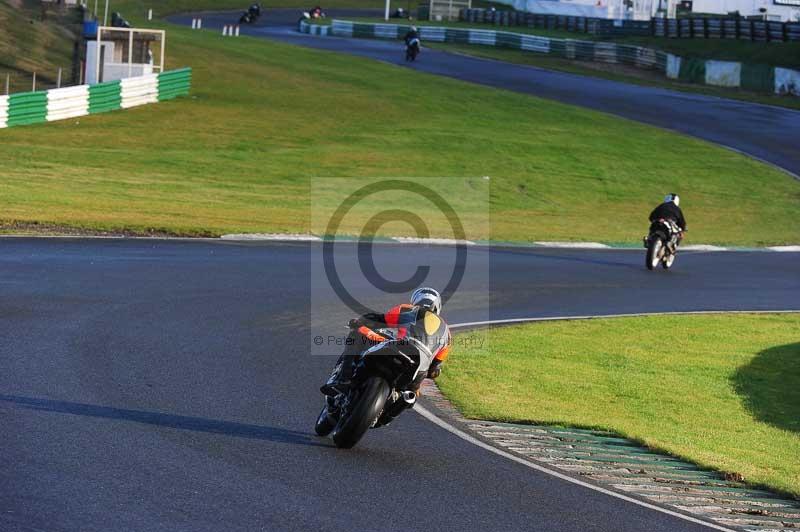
<point>26,108</point>
<point>70,102</point>
<point>104,97</point>
<point>718,73</point>
<point>174,83</point>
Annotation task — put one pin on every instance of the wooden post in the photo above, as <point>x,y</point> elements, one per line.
<point>33,87</point>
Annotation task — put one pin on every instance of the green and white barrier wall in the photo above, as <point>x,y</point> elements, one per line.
<point>759,78</point>
<point>69,102</point>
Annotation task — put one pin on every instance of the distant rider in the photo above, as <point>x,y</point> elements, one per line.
<point>670,210</point>
<point>411,34</point>
<point>419,320</point>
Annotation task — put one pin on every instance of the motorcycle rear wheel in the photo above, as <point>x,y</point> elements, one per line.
<point>653,253</point>
<point>359,417</point>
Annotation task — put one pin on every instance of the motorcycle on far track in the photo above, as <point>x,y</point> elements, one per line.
<point>382,387</point>
<point>662,243</point>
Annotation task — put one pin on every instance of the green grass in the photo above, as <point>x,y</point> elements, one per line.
<point>722,391</point>
<point>626,74</point>
<point>264,118</point>
<point>29,44</point>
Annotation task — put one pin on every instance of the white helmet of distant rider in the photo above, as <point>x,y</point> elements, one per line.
<point>428,298</point>
<point>672,198</point>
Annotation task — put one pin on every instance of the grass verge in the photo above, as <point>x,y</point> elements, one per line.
<point>722,391</point>
<point>266,118</point>
<point>35,37</point>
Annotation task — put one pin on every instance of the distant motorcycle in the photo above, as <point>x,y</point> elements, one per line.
<point>380,389</point>
<point>412,50</point>
<point>251,15</point>
<point>662,243</point>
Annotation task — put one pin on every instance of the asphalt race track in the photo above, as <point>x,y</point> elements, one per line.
<point>167,385</point>
<point>766,132</point>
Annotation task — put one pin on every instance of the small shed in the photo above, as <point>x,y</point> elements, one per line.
<point>118,53</point>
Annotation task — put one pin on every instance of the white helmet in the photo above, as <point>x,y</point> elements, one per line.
<point>672,198</point>
<point>428,298</point>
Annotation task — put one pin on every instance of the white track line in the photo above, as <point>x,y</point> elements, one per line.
<point>471,439</point>
<point>574,245</point>
<point>606,316</point>
<point>280,237</point>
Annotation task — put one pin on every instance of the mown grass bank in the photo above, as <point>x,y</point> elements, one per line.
<point>722,391</point>
<point>265,118</point>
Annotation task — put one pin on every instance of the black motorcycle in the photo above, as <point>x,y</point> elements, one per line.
<point>382,386</point>
<point>412,50</point>
<point>662,243</point>
<point>251,15</point>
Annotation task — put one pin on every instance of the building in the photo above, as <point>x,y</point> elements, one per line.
<point>779,10</point>
<point>122,53</point>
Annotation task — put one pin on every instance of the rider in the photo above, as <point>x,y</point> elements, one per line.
<point>411,34</point>
<point>419,320</point>
<point>670,210</point>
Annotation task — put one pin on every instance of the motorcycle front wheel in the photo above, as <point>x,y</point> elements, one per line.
<point>653,253</point>
<point>667,262</point>
<point>325,423</point>
<point>361,415</point>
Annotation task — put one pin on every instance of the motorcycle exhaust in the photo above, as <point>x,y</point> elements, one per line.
<point>409,398</point>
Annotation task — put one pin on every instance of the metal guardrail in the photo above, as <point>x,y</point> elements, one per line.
<point>69,102</point>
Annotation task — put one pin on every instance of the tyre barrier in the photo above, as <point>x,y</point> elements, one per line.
<point>758,78</point>
<point>70,102</point>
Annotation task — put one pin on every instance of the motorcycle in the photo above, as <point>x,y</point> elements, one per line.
<point>382,386</point>
<point>251,15</point>
<point>412,50</point>
<point>662,243</point>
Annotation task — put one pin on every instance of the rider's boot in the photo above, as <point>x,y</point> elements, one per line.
<point>340,376</point>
